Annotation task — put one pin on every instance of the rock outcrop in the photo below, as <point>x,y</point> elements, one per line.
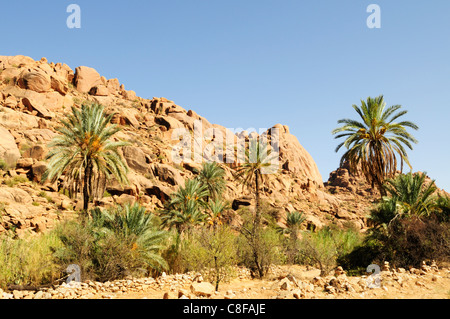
<point>34,95</point>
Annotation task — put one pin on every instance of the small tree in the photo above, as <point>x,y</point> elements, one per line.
<point>212,252</point>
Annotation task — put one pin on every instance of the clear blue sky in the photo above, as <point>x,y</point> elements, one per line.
<point>255,63</point>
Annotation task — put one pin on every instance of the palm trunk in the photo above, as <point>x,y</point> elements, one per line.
<point>256,229</point>
<point>87,186</point>
<point>257,212</point>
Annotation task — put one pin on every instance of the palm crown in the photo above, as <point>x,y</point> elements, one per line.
<point>373,144</point>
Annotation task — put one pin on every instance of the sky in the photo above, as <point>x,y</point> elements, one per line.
<point>255,63</point>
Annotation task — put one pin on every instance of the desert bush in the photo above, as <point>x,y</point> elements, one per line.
<point>3,165</point>
<point>28,261</point>
<point>268,246</point>
<point>325,247</point>
<point>210,251</point>
<point>13,181</point>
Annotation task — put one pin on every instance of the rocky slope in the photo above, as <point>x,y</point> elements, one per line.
<point>35,95</point>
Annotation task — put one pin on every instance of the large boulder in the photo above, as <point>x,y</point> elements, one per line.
<point>59,84</point>
<point>15,195</point>
<point>37,80</point>
<point>9,151</point>
<point>39,135</point>
<point>86,78</point>
<point>168,174</point>
<point>135,159</point>
<point>168,122</point>
<point>17,120</point>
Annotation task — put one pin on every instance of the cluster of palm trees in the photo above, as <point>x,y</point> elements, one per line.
<point>199,201</point>
<point>84,156</point>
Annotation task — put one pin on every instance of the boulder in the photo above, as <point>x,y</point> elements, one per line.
<point>202,289</point>
<point>15,195</point>
<point>168,122</point>
<point>86,78</point>
<point>17,60</point>
<point>135,159</point>
<point>37,80</point>
<point>168,174</point>
<point>39,135</point>
<point>161,192</point>
<point>113,85</point>
<point>129,95</point>
<point>37,152</point>
<point>32,104</point>
<point>9,151</point>
<point>99,90</point>
<point>10,102</point>
<point>38,169</point>
<point>17,120</point>
<point>59,84</point>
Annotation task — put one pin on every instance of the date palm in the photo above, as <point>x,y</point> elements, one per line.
<point>136,228</point>
<point>374,143</point>
<point>252,174</point>
<point>411,194</point>
<point>215,211</point>
<point>85,154</point>
<point>213,177</point>
<point>186,206</point>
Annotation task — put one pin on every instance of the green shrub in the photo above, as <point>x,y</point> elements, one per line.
<point>13,181</point>
<point>212,252</point>
<point>28,261</point>
<point>325,247</point>
<point>269,248</point>
<point>3,165</point>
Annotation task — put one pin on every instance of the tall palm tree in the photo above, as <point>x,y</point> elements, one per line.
<point>85,154</point>
<point>213,177</point>
<point>251,173</point>
<point>258,157</point>
<point>374,144</point>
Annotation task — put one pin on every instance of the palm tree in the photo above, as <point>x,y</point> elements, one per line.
<point>373,144</point>
<point>411,194</point>
<point>85,154</point>
<point>293,223</point>
<point>215,211</point>
<point>250,173</point>
<point>136,228</point>
<point>213,177</point>
<point>258,157</point>
<point>185,207</point>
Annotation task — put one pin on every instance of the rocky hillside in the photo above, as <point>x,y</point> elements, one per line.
<point>35,95</point>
